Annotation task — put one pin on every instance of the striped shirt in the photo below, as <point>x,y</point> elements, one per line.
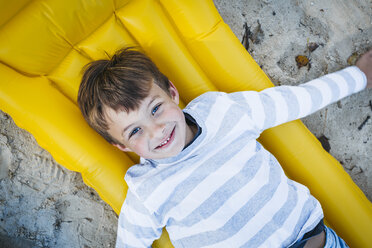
<point>225,189</point>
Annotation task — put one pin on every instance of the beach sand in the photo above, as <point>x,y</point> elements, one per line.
<point>42,204</point>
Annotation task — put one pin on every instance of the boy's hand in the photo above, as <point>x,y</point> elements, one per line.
<point>365,65</point>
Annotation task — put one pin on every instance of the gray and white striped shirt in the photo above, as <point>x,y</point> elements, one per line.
<point>225,189</point>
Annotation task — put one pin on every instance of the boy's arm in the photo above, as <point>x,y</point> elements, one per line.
<point>136,226</point>
<point>277,105</point>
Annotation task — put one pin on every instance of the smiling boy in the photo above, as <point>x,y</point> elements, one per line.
<point>160,118</point>
<point>202,172</point>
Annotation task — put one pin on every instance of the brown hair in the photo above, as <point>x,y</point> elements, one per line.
<point>120,83</point>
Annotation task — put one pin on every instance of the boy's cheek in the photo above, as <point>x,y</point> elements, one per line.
<point>139,148</point>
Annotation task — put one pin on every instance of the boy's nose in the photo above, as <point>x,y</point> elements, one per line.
<point>157,130</point>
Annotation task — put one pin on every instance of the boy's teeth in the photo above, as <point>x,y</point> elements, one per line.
<point>165,142</point>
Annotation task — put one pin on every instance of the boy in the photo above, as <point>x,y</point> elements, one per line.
<point>202,173</point>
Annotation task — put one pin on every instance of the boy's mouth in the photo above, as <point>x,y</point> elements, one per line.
<point>167,141</point>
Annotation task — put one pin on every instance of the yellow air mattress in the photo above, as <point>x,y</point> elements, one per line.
<point>45,43</point>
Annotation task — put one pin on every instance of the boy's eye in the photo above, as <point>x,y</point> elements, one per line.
<point>134,131</point>
<point>156,108</point>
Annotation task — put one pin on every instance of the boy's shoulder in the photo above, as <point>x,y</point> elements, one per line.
<point>138,172</point>
<point>206,97</point>
<point>215,99</point>
<point>203,104</point>
<point>209,98</point>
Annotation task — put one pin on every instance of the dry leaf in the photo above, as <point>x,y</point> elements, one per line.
<point>301,61</point>
<point>312,46</point>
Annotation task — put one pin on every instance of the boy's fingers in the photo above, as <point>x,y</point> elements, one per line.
<point>364,63</point>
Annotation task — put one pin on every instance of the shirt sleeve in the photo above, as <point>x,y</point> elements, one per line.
<point>277,105</point>
<point>136,226</point>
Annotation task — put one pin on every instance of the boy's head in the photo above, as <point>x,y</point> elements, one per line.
<point>133,105</point>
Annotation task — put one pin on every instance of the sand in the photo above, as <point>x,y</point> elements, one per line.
<point>43,204</point>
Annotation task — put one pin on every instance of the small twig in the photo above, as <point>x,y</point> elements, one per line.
<point>364,122</point>
<point>246,36</point>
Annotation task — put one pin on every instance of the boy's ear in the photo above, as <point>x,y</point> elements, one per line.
<point>174,93</point>
<point>122,147</point>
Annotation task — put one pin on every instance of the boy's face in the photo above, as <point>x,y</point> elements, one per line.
<point>156,130</point>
